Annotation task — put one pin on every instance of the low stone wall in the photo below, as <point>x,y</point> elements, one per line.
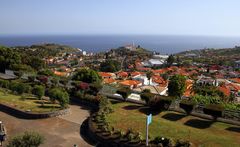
<point>30,115</point>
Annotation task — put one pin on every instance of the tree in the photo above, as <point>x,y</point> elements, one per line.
<point>124,92</point>
<point>87,75</point>
<point>39,91</point>
<point>95,88</point>
<point>177,85</point>
<point>22,67</point>
<point>110,66</point>
<point>27,139</point>
<point>232,97</point>
<point>170,60</point>
<point>146,95</point>
<point>149,75</point>
<point>20,88</point>
<point>46,72</point>
<point>36,62</point>
<point>8,57</point>
<point>60,95</point>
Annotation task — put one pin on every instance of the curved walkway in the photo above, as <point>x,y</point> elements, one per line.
<point>61,131</point>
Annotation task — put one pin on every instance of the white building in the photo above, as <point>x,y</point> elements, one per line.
<point>163,57</point>
<point>156,62</point>
<point>144,80</point>
<point>153,62</point>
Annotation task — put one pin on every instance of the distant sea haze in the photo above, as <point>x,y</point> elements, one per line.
<point>165,44</point>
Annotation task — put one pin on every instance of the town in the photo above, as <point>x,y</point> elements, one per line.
<point>188,93</point>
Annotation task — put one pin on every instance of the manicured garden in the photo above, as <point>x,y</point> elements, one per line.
<point>27,102</point>
<point>173,125</point>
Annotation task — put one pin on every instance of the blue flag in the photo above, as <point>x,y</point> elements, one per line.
<point>149,119</point>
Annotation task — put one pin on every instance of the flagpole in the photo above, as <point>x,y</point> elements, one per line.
<point>147,131</point>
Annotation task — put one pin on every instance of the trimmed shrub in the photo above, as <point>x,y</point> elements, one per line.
<point>20,88</point>
<point>187,106</point>
<point>124,92</point>
<point>161,102</point>
<point>60,95</point>
<point>147,96</point>
<point>215,110</point>
<point>4,83</point>
<point>105,105</point>
<point>39,91</point>
<point>28,139</point>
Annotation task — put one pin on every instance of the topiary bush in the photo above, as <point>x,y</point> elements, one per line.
<point>187,106</point>
<point>4,83</point>
<point>215,110</point>
<point>161,102</point>
<point>147,96</point>
<point>124,92</point>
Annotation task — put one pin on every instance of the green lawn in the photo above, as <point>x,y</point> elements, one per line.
<point>175,125</point>
<point>30,103</point>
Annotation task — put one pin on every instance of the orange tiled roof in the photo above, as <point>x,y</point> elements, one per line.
<point>188,91</point>
<point>109,81</point>
<point>58,73</point>
<point>226,90</point>
<point>105,74</point>
<point>122,74</point>
<point>234,86</point>
<point>129,82</point>
<point>144,69</point>
<point>135,73</point>
<point>158,79</point>
<point>236,80</point>
<point>160,71</point>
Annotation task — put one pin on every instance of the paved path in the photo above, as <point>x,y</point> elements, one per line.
<point>59,132</point>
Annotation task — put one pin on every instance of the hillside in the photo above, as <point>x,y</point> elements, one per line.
<point>43,50</point>
<point>216,52</point>
<point>225,56</point>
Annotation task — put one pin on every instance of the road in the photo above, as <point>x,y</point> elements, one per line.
<point>61,131</point>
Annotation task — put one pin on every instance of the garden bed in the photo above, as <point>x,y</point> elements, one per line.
<point>174,125</point>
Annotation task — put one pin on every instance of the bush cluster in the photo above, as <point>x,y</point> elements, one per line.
<point>187,105</point>
<point>214,110</point>
<point>20,88</point>
<point>161,102</point>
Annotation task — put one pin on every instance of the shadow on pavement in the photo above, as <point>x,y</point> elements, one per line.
<point>84,133</point>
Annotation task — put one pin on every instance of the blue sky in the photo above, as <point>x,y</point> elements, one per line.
<point>157,17</point>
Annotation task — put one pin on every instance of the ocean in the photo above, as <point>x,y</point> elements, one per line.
<point>165,44</point>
